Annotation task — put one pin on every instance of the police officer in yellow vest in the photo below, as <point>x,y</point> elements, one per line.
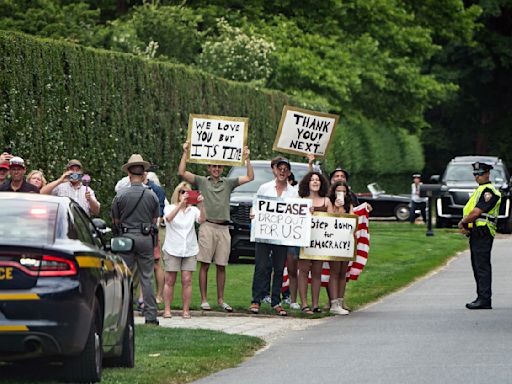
<point>480,216</point>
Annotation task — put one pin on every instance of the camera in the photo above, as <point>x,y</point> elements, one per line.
<point>75,177</point>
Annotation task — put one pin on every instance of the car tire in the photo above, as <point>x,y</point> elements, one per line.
<point>402,212</point>
<point>87,366</point>
<point>127,357</point>
<point>234,257</point>
<point>506,227</point>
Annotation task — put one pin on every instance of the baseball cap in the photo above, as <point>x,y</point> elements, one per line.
<point>280,160</point>
<point>4,165</point>
<point>73,162</point>
<point>16,160</point>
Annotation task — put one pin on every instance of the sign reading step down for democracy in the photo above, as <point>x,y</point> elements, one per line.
<point>304,132</point>
<point>333,237</point>
<point>281,221</point>
<point>217,139</point>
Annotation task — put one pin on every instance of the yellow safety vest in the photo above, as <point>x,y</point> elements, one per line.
<point>490,218</point>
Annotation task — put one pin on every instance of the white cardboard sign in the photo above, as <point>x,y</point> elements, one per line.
<point>281,221</point>
<point>304,132</point>
<point>333,237</point>
<point>217,139</point>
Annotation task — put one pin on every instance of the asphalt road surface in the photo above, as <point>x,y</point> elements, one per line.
<point>423,334</point>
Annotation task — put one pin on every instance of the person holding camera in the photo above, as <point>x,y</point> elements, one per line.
<point>135,211</point>
<point>70,185</point>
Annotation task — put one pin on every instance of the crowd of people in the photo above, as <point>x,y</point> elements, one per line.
<point>140,207</point>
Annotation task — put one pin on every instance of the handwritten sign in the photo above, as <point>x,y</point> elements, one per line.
<point>281,221</point>
<point>217,139</point>
<point>333,237</point>
<point>304,132</point>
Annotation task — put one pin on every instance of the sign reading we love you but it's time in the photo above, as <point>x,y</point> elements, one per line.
<point>217,139</point>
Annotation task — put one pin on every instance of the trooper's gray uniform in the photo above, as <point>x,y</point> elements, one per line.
<point>136,212</point>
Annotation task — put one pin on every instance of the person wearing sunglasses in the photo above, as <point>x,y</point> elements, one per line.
<point>480,215</point>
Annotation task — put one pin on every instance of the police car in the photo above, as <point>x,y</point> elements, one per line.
<point>64,295</point>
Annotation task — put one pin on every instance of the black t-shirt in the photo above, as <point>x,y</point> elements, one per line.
<point>25,187</point>
<point>487,201</point>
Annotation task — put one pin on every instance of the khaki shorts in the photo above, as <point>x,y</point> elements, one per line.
<point>214,243</point>
<point>176,263</point>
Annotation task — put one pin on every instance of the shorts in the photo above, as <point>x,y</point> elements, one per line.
<point>214,243</point>
<point>177,263</point>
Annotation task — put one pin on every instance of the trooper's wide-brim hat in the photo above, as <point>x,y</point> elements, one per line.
<point>135,159</point>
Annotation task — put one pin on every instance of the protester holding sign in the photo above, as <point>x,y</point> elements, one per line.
<point>341,199</point>
<point>269,256</point>
<point>214,238</point>
<point>313,186</point>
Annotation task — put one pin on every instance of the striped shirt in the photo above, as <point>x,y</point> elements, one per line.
<point>78,194</point>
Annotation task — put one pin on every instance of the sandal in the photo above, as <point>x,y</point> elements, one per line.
<point>167,316</point>
<point>205,306</point>
<point>186,315</point>
<point>280,311</point>
<point>307,310</point>
<point>226,307</point>
<point>254,308</point>
<point>317,310</point>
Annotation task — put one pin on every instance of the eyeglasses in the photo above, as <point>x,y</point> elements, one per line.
<point>183,192</point>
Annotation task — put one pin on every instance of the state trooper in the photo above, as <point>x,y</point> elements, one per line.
<point>135,212</point>
<point>480,216</point>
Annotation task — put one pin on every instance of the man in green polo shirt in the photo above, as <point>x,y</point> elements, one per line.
<point>214,239</point>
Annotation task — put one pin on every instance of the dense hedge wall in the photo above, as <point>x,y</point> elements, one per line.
<point>60,101</point>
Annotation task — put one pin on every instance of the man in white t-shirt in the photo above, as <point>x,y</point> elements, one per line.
<point>270,257</point>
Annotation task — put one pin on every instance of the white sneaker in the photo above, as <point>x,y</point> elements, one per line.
<point>286,301</point>
<point>336,308</point>
<point>266,300</point>
<point>294,306</point>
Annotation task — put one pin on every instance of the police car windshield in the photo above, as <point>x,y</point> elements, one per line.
<point>262,174</point>
<point>27,222</point>
<point>464,172</point>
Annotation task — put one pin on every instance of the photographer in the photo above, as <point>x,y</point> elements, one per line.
<point>70,185</point>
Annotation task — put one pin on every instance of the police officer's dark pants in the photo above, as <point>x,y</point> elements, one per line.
<point>414,206</point>
<point>268,257</point>
<point>480,243</point>
<point>141,261</point>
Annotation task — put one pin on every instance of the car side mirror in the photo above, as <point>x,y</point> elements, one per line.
<point>121,244</point>
<point>435,178</point>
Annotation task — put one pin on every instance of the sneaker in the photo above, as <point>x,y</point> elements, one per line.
<point>286,301</point>
<point>152,322</point>
<point>336,308</point>
<point>294,306</point>
<point>343,304</point>
<point>266,300</point>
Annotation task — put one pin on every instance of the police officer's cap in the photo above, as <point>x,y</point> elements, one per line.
<point>481,168</point>
<point>416,176</point>
<point>339,169</point>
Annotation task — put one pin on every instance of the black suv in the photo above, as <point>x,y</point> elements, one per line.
<point>241,203</point>
<point>458,185</point>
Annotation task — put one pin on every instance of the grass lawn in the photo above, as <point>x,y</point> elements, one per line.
<point>163,355</point>
<point>399,254</point>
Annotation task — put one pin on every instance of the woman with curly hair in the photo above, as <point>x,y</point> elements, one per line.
<point>313,186</point>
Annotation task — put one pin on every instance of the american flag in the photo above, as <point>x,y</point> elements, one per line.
<point>363,248</point>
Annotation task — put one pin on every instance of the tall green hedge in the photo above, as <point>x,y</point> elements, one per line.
<point>60,101</point>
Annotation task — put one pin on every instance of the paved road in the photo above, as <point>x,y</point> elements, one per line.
<point>422,334</point>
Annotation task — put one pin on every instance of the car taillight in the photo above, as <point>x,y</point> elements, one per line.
<point>48,266</point>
